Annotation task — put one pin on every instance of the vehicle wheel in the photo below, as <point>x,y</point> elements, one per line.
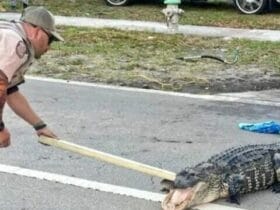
<point>117,2</point>
<point>250,6</point>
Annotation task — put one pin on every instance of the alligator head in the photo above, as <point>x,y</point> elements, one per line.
<point>193,186</point>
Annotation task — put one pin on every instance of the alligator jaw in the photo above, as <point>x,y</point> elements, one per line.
<point>180,199</point>
<point>177,199</point>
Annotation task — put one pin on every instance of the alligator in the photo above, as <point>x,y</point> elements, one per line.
<point>229,174</point>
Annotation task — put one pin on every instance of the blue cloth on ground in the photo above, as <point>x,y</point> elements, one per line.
<point>264,127</point>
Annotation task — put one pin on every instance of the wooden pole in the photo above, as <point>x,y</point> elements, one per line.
<point>116,160</point>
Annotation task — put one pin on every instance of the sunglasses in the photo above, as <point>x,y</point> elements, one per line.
<point>51,37</point>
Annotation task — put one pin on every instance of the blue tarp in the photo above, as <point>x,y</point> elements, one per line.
<point>263,127</point>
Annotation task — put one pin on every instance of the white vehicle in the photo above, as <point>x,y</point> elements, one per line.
<point>244,6</point>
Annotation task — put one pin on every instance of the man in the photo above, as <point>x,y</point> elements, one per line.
<point>20,43</point>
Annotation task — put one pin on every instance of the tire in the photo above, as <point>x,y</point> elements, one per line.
<point>250,6</point>
<point>117,2</point>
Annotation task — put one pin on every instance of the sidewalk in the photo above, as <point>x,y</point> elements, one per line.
<point>261,35</point>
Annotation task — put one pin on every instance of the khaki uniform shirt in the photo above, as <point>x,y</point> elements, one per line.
<point>16,52</point>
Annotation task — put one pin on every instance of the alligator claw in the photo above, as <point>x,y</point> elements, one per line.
<point>234,199</point>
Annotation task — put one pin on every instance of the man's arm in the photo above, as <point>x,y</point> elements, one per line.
<point>4,133</point>
<point>19,104</point>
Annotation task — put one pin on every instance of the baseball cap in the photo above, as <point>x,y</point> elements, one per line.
<point>40,16</point>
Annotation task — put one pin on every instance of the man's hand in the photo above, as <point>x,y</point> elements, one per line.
<point>46,132</point>
<point>4,138</point>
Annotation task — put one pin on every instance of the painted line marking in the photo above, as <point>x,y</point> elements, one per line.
<point>83,183</point>
<point>237,98</point>
<point>212,206</point>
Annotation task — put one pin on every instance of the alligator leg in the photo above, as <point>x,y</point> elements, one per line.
<point>276,185</point>
<point>235,184</point>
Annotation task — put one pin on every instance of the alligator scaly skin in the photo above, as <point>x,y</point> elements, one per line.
<point>256,163</point>
<point>229,174</point>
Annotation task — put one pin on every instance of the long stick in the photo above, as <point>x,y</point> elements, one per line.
<point>130,164</point>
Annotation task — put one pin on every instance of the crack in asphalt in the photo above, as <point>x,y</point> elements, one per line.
<point>156,139</point>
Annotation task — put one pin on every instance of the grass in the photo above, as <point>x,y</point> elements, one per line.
<point>116,44</point>
<point>149,60</point>
<point>215,13</point>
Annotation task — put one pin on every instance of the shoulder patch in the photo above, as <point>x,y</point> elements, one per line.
<point>20,49</point>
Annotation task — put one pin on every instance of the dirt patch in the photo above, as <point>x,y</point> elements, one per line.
<point>244,78</point>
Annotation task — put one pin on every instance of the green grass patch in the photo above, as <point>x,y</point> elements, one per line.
<point>149,60</point>
<point>153,47</point>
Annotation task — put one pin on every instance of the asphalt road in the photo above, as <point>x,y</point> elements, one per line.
<point>165,131</point>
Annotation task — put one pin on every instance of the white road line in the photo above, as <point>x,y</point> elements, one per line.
<point>212,206</point>
<point>238,98</point>
<point>83,183</point>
